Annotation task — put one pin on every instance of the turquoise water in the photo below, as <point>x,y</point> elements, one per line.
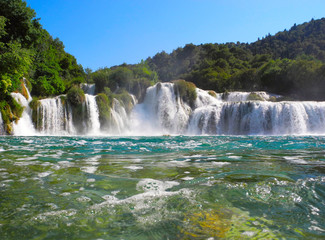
<point>172,187</point>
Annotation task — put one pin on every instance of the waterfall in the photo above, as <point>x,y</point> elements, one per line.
<point>236,96</point>
<point>162,111</point>
<point>120,120</point>
<point>2,131</point>
<point>92,115</point>
<point>24,126</point>
<point>54,118</point>
<point>260,118</point>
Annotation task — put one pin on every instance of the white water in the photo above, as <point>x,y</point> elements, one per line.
<point>120,120</point>
<point>55,119</point>
<point>164,112</point>
<point>93,115</point>
<point>24,127</point>
<point>260,118</point>
<point>2,132</point>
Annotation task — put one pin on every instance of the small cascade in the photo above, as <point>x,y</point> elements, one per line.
<point>54,117</point>
<point>2,131</point>
<point>92,115</point>
<point>204,98</point>
<point>120,119</point>
<point>244,96</point>
<point>236,96</point>
<point>24,126</point>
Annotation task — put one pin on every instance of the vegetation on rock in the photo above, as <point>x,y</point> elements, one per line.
<point>76,96</point>
<point>104,106</point>
<point>254,97</point>
<point>185,90</point>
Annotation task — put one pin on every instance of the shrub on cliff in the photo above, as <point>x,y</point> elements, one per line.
<point>76,96</point>
<point>186,91</point>
<point>36,118</point>
<point>104,109</point>
<point>254,97</point>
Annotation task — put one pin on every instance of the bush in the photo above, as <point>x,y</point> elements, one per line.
<point>254,97</point>
<point>76,96</point>
<point>186,91</point>
<point>124,97</point>
<point>34,105</point>
<point>104,108</point>
<point>212,93</point>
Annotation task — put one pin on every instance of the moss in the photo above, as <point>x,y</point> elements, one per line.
<point>272,99</point>
<point>36,118</point>
<point>124,97</point>
<point>285,98</point>
<point>63,99</point>
<point>186,91</point>
<point>212,93</point>
<point>28,85</point>
<point>16,108</point>
<point>76,96</point>
<point>254,97</point>
<point>7,114</point>
<point>104,108</point>
<point>206,224</point>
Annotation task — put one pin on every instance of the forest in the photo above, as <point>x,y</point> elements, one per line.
<point>290,63</point>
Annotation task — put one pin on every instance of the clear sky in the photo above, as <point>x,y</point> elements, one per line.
<point>103,33</point>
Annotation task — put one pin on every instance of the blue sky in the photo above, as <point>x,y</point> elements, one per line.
<point>103,33</point>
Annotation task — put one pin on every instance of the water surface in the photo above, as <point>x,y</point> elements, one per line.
<point>171,187</point>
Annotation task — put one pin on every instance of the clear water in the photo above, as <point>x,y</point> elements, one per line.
<point>172,187</point>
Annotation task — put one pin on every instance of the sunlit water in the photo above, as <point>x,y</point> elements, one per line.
<point>171,187</point>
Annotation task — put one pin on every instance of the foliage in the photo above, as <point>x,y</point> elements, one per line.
<point>212,93</point>
<point>186,91</point>
<point>104,105</point>
<point>133,78</point>
<point>123,96</point>
<point>254,97</point>
<point>34,105</point>
<point>76,96</point>
<point>290,63</point>
<point>27,50</point>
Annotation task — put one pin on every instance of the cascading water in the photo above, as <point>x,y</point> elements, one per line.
<point>54,118</point>
<point>1,125</point>
<point>260,118</point>
<point>120,120</point>
<point>93,115</point>
<point>24,126</point>
<point>163,111</point>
